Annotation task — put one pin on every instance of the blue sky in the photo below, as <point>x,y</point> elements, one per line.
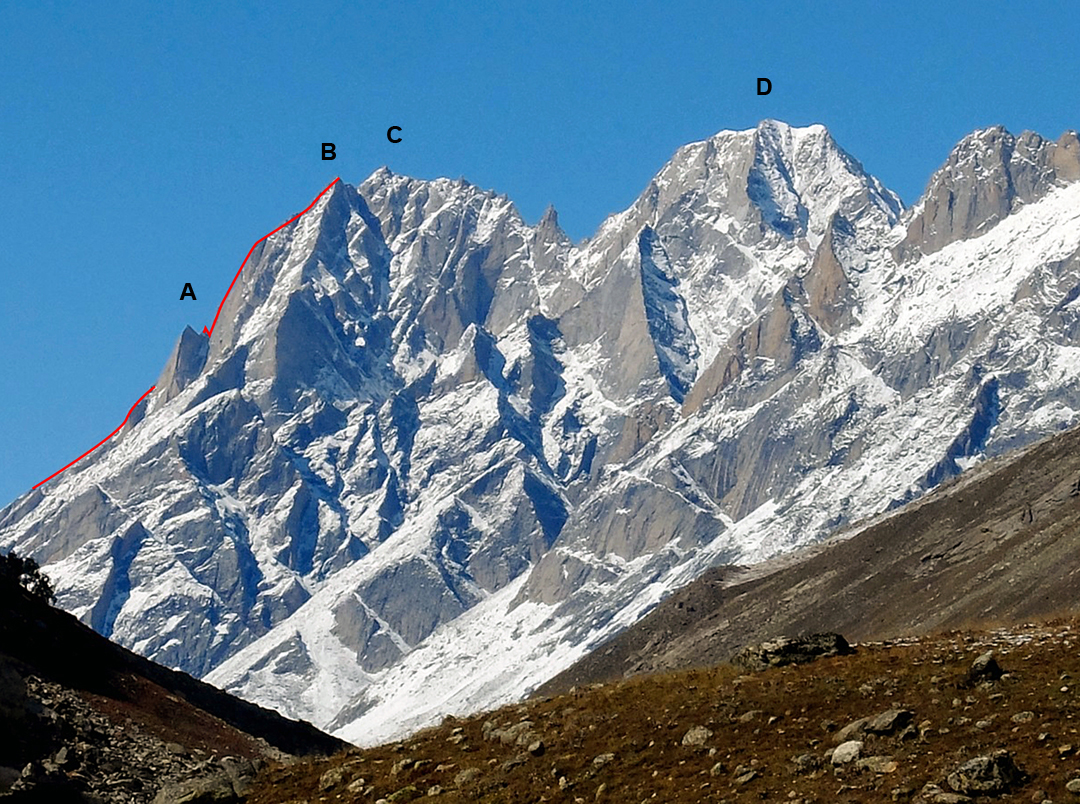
<point>148,145</point>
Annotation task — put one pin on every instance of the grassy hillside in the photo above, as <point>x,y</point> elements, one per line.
<point>714,735</point>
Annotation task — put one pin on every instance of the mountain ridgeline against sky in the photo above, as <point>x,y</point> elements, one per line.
<point>432,455</point>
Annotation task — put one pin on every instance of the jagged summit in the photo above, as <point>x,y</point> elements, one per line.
<point>764,184</point>
<point>184,364</point>
<point>550,218</point>
<point>432,454</point>
<point>989,174</point>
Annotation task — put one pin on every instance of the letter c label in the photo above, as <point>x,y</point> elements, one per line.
<point>390,133</point>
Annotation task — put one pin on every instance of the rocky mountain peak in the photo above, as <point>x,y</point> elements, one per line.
<point>988,175</point>
<point>184,364</point>
<point>549,222</point>
<point>791,144</point>
<point>548,234</point>
<point>1066,157</point>
<point>801,178</point>
<point>793,178</point>
<point>415,405</point>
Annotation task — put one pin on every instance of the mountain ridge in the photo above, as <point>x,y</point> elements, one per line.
<point>429,432</point>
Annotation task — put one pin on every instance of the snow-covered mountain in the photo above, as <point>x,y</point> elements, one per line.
<point>432,455</point>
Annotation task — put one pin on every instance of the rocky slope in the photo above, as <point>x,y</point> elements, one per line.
<point>1000,543</point>
<point>906,720</point>
<point>432,455</point>
<point>86,720</point>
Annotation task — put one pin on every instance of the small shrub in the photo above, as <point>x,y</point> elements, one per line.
<point>25,572</point>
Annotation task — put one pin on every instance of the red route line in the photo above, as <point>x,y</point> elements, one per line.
<point>102,441</point>
<point>208,332</point>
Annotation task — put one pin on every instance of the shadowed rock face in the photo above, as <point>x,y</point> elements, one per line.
<point>184,364</point>
<point>85,716</point>
<point>665,312</point>
<point>432,453</point>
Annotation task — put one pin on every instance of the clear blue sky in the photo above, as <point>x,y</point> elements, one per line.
<point>146,145</point>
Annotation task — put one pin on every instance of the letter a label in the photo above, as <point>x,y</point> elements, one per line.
<point>188,291</point>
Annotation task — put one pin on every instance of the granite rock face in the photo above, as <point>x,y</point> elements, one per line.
<point>432,454</point>
<point>989,175</point>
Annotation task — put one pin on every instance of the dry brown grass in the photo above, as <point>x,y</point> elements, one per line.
<point>171,719</point>
<point>642,722</point>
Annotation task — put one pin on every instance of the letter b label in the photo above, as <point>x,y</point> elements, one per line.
<point>328,151</point>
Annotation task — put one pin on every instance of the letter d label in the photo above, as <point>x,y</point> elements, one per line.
<point>768,86</point>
